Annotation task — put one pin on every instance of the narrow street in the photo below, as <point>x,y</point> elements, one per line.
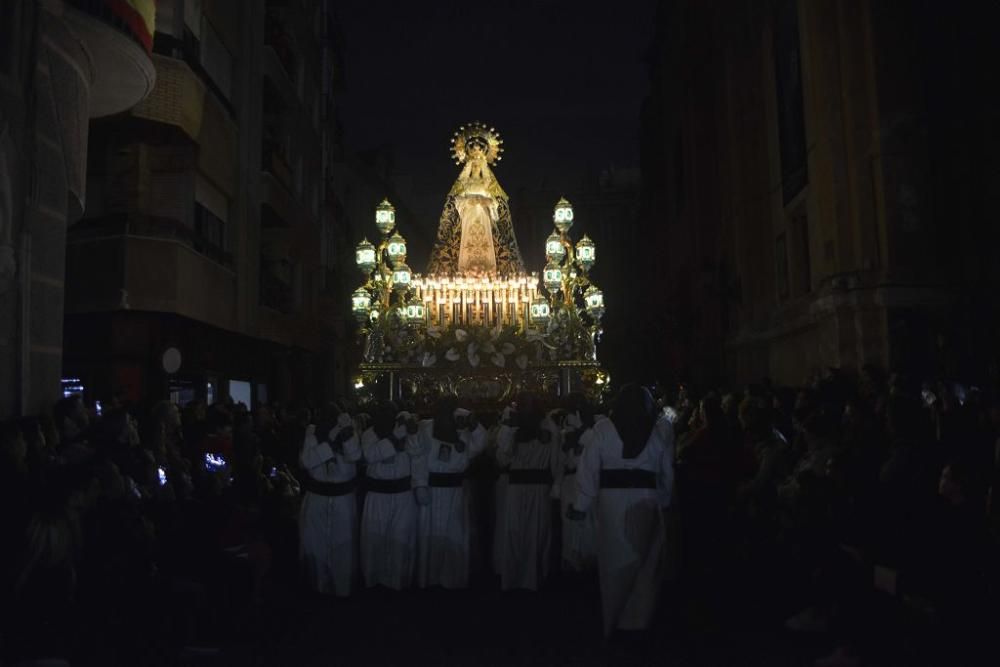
<point>557,626</point>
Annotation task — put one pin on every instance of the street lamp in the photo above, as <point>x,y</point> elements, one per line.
<point>539,312</point>
<point>415,312</point>
<point>364,257</point>
<point>552,277</point>
<point>397,249</point>
<point>385,217</point>
<point>401,276</point>
<point>554,249</point>
<point>586,253</point>
<point>361,302</point>
<point>563,216</point>
<point>594,298</point>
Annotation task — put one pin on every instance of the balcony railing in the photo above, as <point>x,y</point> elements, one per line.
<point>148,226</point>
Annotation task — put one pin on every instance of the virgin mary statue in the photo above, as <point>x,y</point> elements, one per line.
<point>475,234</point>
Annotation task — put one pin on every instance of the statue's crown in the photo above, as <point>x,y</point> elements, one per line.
<point>476,134</point>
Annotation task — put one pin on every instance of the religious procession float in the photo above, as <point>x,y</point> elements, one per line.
<point>477,324</point>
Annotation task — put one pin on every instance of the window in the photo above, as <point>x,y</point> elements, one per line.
<point>781,266</point>
<point>170,195</point>
<point>211,212</point>
<point>788,85</point>
<point>210,228</point>
<point>216,60</point>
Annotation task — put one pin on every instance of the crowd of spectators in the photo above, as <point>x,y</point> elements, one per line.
<point>858,510</point>
<point>126,538</point>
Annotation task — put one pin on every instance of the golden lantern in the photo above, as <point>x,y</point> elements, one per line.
<point>385,217</point>
<point>401,276</point>
<point>563,215</point>
<point>552,277</point>
<point>539,311</point>
<point>364,256</point>
<point>361,302</point>
<point>554,249</point>
<point>586,253</point>
<point>594,298</point>
<point>397,248</point>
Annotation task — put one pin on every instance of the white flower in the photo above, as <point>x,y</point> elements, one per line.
<point>434,331</point>
<point>497,330</point>
<point>428,360</point>
<point>522,361</point>
<point>461,335</point>
<point>489,347</point>
<point>474,360</point>
<point>452,354</point>
<point>473,348</point>
<point>499,359</point>
<point>508,348</point>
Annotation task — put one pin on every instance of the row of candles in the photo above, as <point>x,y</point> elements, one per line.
<point>476,299</point>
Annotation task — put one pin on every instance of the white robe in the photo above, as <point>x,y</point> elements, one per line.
<point>443,531</point>
<point>526,532</point>
<point>389,520</point>
<point>630,529</point>
<point>328,525</point>
<point>499,508</point>
<point>579,538</point>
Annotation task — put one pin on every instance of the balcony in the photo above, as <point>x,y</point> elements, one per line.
<point>182,100</point>
<point>153,227</point>
<point>117,38</point>
<point>161,265</point>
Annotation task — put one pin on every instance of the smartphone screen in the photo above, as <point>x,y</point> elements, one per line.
<point>98,408</point>
<point>214,462</point>
<point>274,472</point>
<point>162,474</point>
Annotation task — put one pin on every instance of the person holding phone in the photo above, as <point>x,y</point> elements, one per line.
<point>452,439</point>
<point>328,519</point>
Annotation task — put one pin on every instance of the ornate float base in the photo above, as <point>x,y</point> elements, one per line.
<point>484,390</point>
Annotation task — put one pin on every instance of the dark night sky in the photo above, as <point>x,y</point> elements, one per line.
<point>562,81</point>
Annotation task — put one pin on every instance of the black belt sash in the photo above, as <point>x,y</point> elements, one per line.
<point>529,476</point>
<point>330,489</point>
<point>625,478</point>
<point>446,479</point>
<point>400,485</point>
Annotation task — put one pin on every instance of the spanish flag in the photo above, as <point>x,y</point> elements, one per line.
<point>139,16</point>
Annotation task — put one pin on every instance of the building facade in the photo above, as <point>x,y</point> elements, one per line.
<point>205,261</point>
<point>61,64</point>
<point>818,173</point>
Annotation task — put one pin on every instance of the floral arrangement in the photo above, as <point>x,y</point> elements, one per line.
<point>471,347</point>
